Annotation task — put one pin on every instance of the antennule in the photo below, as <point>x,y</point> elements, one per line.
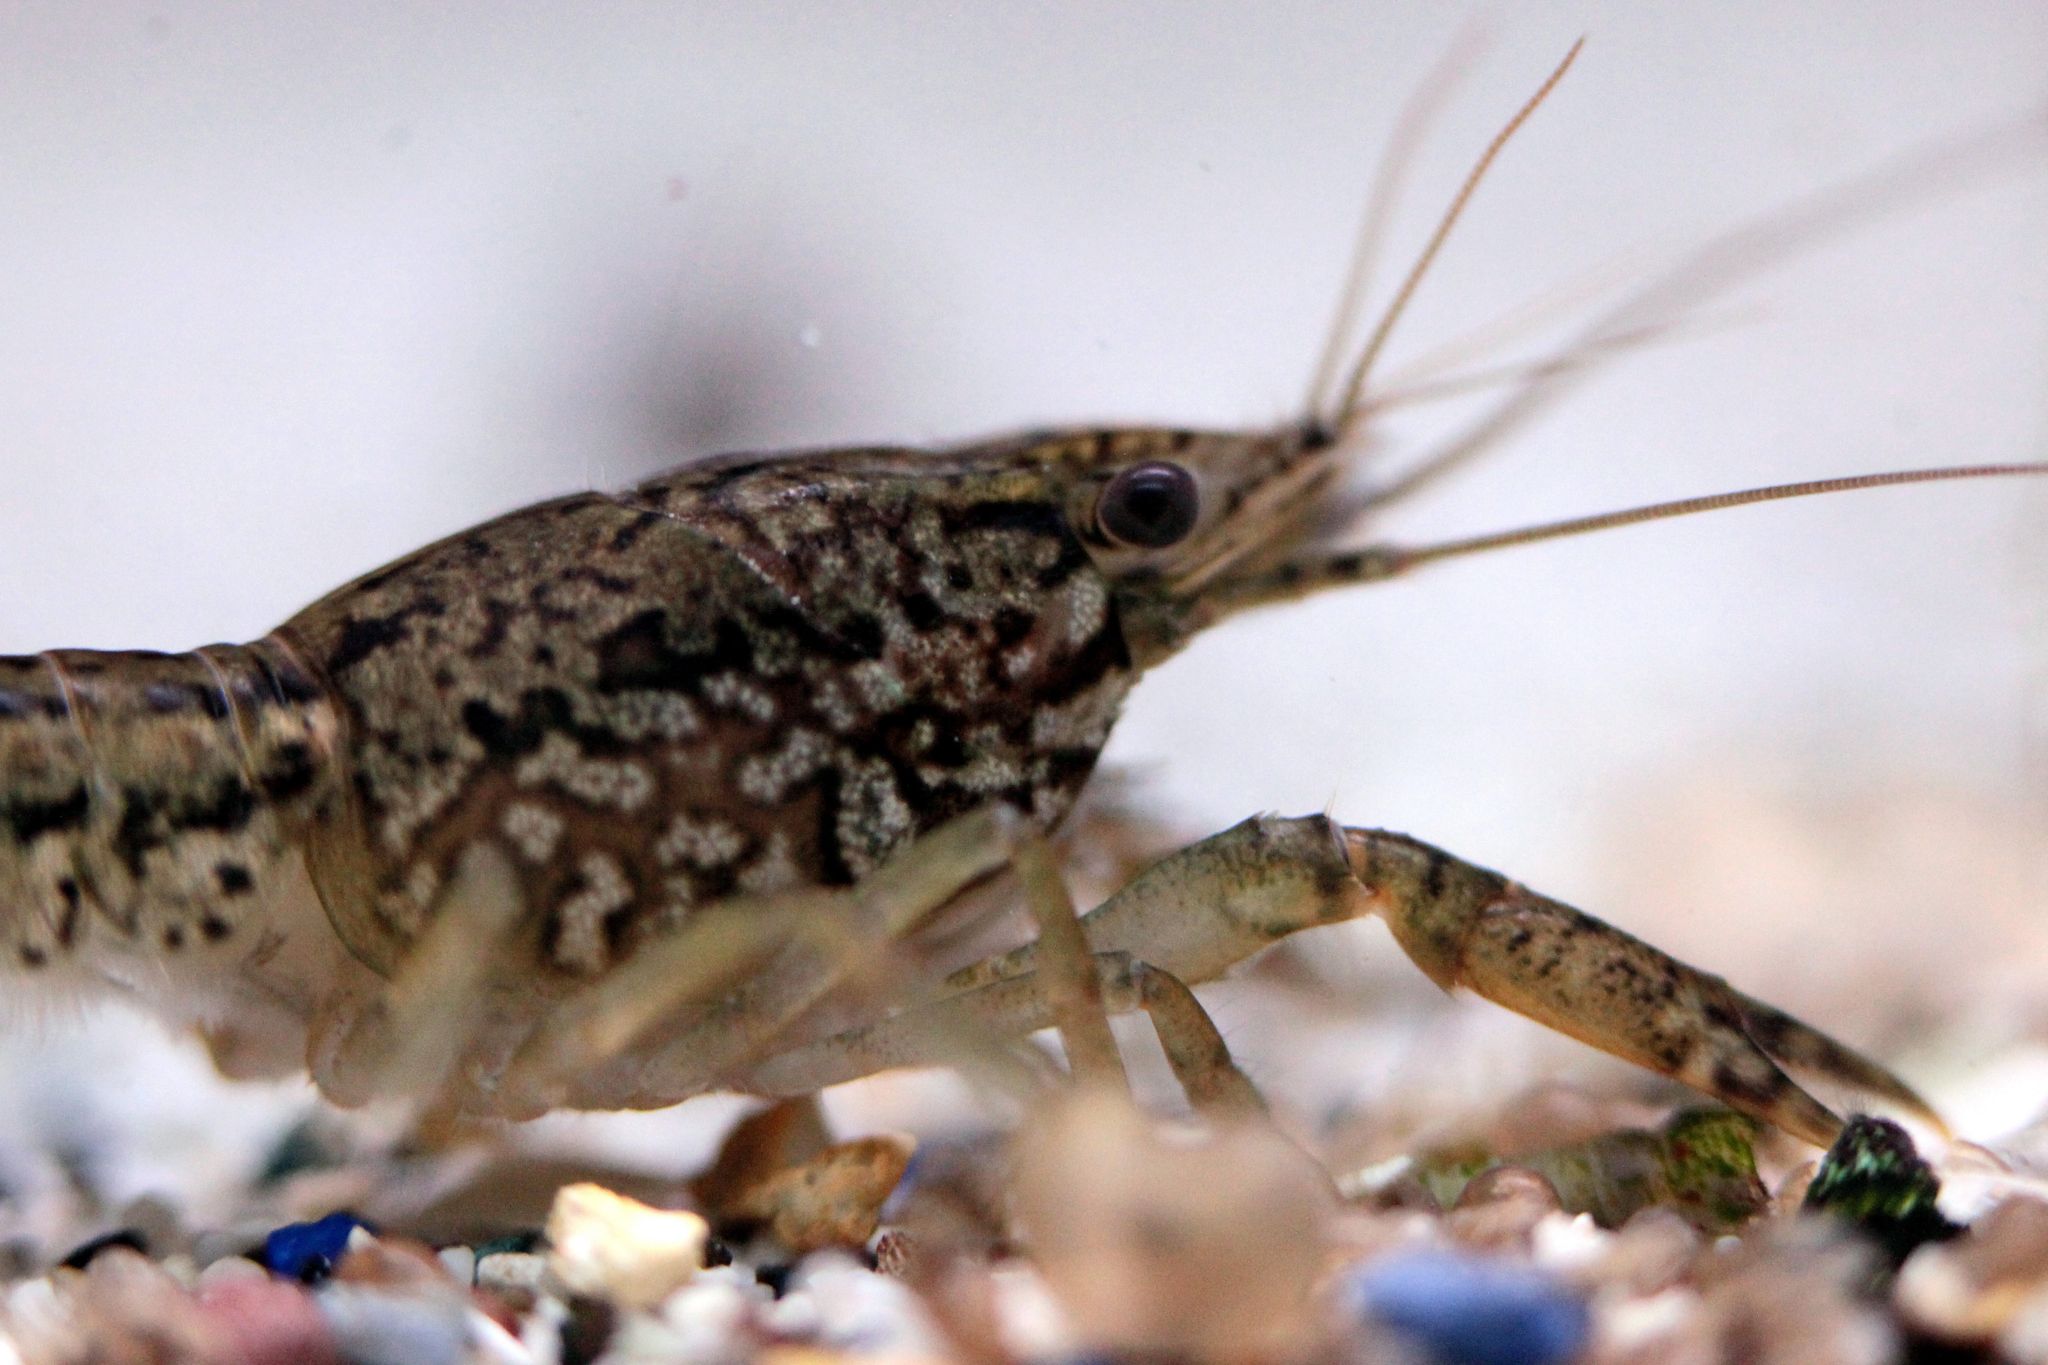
<point>1396,160</point>
<point>1348,408</point>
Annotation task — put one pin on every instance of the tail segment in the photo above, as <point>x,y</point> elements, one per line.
<point>147,800</point>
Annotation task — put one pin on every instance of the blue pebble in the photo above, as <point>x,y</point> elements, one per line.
<point>307,1251</point>
<point>1470,1310</point>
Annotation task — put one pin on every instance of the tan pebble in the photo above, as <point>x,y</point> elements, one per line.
<point>895,1253</point>
<point>1791,1195</point>
<point>121,1273</point>
<point>229,1269</point>
<point>2010,1242</point>
<point>782,1135</point>
<point>1649,1253</point>
<point>127,1307</point>
<point>1792,1292</point>
<point>1357,1234</point>
<point>1971,1288</point>
<point>2024,1339</point>
<point>607,1245</point>
<point>1499,1208</point>
<point>832,1200</point>
<point>1187,1242</point>
<point>391,1263</point>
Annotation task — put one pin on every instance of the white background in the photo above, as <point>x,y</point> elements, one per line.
<point>288,290</point>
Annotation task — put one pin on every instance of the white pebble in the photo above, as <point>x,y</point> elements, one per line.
<point>703,1320</point>
<point>496,1346</point>
<point>2025,1338</point>
<point>1636,1323</point>
<point>795,1314</point>
<point>1030,1319</point>
<point>1567,1242</point>
<point>739,1278</point>
<point>372,1327</point>
<point>607,1245</point>
<point>460,1263</point>
<point>859,1310</point>
<point>511,1270</point>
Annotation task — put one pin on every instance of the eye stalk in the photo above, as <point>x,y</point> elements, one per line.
<point>1148,506</point>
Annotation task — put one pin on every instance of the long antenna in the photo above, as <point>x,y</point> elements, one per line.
<point>1376,563</point>
<point>1413,556</point>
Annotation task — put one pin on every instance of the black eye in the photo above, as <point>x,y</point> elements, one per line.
<point>1151,505</point>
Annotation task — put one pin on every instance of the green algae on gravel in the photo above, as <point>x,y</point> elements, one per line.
<point>1702,1163</point>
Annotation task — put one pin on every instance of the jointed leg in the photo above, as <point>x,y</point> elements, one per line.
<point>748,1024</point>
<point>405,1040</point>
<point>708,1005</point>
<point>1466,926</point>
<point>1018,1005</point>
<point>664,1025</point>
<point>687,1010</point>
<point>1196,912</point>
<point>1073,989</point>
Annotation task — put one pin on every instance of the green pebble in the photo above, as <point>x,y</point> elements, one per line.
<point>1874,1179</point>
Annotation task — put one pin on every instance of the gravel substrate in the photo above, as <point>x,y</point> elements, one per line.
<point>1095,1232</point>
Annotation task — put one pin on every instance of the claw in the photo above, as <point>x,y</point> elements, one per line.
<point>1466,926</point>
<point>1806,1049</point>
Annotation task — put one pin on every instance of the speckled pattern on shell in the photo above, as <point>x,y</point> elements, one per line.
<point>743,676</point>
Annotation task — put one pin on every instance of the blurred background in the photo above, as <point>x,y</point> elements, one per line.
<point>291,290</point>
